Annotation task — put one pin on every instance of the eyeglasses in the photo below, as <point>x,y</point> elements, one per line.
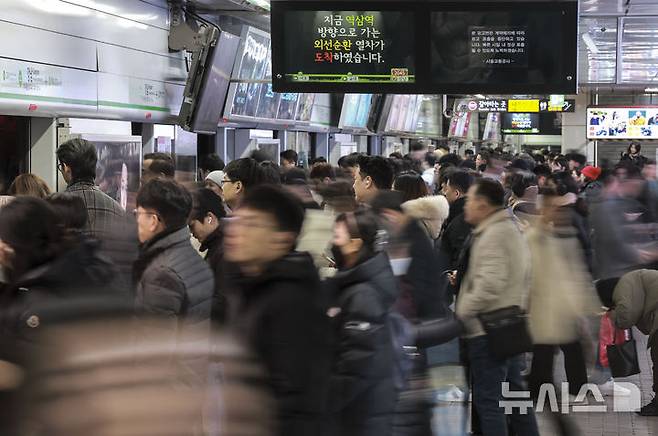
<point>137,212</point>
<point>227,181</point>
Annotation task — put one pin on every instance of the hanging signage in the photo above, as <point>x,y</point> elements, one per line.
<point>520,106</point>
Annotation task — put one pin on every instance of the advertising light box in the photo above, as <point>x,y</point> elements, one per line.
<point>622,123</point>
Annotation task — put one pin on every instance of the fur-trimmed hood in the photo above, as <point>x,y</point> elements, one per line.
<point>431,210</point>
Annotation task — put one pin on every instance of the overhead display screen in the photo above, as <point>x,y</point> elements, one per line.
<point>622,123</point>
<point>334,49</point>
<point>520,124</point>
<point>425,47</point>
<point>508,46</point>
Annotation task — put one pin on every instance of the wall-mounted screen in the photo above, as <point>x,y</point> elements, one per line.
<point>622,123</point>
<point>520,124</point>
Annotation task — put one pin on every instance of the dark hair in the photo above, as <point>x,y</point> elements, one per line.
<point>259,156</point>
<point>338,195</point>
<point>395,155</point>
<point>519,181</point>
<point>461,180</point>
<point>362,224</point>
<point>411,185</point>
<point>387,200</point>
<point>637,145</point>
<point>542,170</point>
<point>245,170</point>
<point>430,158</point>
<point>293,176</point>
<point>417,146</point>
<point>491,190</point>
<point>171,201</point>
<point>283,206</point>
<point>469,152</point>
<point>163,166</point>
<point>468,164</point>
<point>378,168</point>
<point>322,171</point>
<point>31,227</point>
<point>486,157</point>
<point>564,183</point>
<point>318,160</point>
<point>205,200</point>
<point>71,210</point>
<point>159,156</point>
<point>270,173</point>
<point>450,159</point>
<point>212,162</point>
<point>289,155</point>
<point>349,161</point>
<point>521,164</point>
<point>577,157</point>
<point>562,162</point>
<point>29,185</point>
<point>80,155</point>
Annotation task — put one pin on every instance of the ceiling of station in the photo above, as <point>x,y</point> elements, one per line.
<point>601,62</point>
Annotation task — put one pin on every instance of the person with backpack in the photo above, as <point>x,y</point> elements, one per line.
<point>363,391</point>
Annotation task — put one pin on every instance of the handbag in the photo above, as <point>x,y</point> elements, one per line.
<point>623,358</point>
<point>507,331</point>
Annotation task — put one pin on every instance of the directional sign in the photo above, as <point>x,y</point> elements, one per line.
<point>520,106</point>
<point>523,106</point>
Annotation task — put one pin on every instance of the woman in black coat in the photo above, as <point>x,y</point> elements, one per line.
<point>45,266</point>
<point>362,389</point>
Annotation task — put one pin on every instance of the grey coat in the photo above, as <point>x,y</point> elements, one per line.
<point>174,283</point>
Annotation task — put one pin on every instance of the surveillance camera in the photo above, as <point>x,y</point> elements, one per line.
<point>603,29</point>
<point>448,113</point>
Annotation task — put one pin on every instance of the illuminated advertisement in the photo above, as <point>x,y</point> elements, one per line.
<point>622,123</point>
<point>520,124</point>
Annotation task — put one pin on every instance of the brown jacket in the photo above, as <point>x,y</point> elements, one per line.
<point>636,301</point>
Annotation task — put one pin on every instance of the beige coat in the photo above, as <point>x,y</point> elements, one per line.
<point>498,271</point>
<point>432,211</point>
<point>561,290</point>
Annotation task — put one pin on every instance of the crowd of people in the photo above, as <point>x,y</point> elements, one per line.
<point>321,271</point>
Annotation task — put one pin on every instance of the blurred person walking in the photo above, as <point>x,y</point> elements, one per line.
<point>363,394</point>
<point>279,308</point>
<point>30,185</point>
<point>107,222</point>
<point>157,165</point>
<point>496,277</point>
<point>561,296</point>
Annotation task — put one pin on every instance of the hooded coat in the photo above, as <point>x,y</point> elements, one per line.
<point>362,391</point>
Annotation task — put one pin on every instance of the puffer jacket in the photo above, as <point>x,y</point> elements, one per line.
<point>362,391</point>
<point>636,301</point>
<point>174,283</point>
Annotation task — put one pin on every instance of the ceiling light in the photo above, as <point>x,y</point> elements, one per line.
<point>651,90</point>
<point>480,96</point>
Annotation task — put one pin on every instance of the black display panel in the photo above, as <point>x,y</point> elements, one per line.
<point>337,46</point>
<point>428,47</point>
<point>531,124</point>
<point>516,47</point>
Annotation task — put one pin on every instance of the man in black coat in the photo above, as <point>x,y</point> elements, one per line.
<point>172,280</point>
<point>455,229</point>
<point>275,302</point>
